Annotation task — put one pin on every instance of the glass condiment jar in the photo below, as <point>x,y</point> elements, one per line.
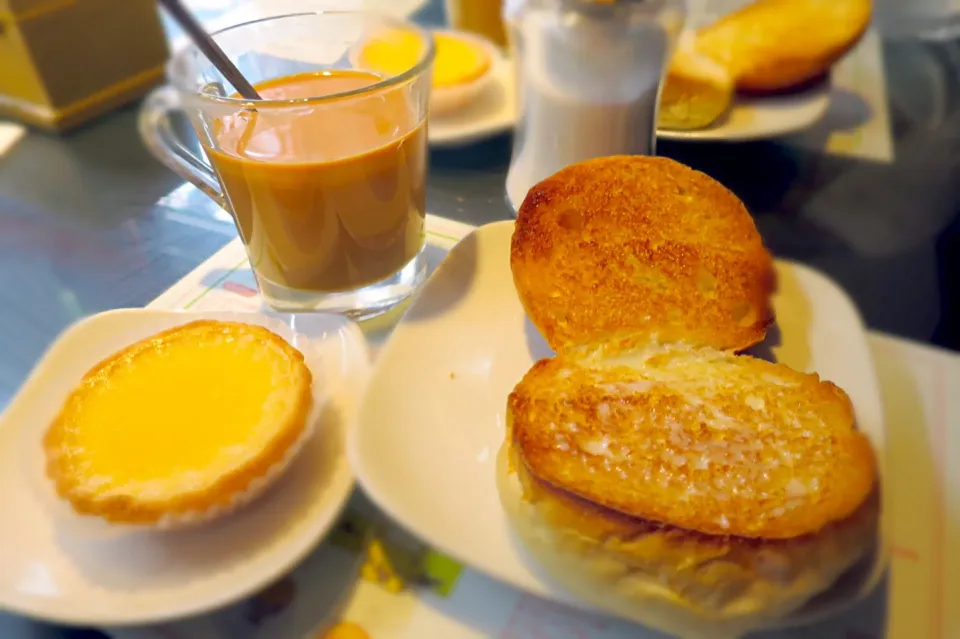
<point>588,80</point>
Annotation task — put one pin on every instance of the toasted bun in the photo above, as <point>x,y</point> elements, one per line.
<point>707,441</point>
<point>672,255</point>
<point>771,45</point>
<point>699,492</point>
<point>696,91</point>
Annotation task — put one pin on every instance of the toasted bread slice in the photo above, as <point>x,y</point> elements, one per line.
<point>771,45</point>
<point>697,439</point>
<point>696,91</point>
<point>627,250</point>
<point>181,427</point>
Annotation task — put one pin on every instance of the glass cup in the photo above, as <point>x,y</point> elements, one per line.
<point>325,177</point>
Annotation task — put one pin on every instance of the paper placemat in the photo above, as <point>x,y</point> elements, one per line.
<point>389,586</point>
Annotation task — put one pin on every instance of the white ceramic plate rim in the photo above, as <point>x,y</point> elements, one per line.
<point>261,572</point>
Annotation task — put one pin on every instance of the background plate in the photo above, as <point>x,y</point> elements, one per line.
<point>761,117</point>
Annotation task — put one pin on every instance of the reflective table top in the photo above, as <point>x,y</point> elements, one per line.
<point>89,221</point>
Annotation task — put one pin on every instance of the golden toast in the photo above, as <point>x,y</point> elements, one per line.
<point>625,250</point>
<point>696,90</point>
<point>648,468</point>
<point>717,492</point>
<point>703,440</point>
<point>771,45</point>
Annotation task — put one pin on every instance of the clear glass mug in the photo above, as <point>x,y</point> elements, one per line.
<point>325,177</point>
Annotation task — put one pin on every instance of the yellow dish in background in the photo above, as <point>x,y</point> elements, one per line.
<point>461,68</point>
<point>181,427</point>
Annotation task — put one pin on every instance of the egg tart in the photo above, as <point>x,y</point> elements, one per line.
<point>462,66</point>
<point>181,427</point>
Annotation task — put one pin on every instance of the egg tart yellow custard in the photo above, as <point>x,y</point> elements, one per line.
<point>462,65</point>
<point>182,426</point>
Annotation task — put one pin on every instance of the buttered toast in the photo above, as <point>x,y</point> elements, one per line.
<point>771,45</point>
<point>625,250</point>
<point>696,90</point>
<point>712,491</point>
<point>648,468</point>
<point>696,438</point>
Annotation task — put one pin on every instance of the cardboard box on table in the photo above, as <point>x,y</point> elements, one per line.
<point>64,62</point>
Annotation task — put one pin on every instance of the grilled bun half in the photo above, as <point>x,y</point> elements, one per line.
<point>772,45</point>
<point>627,250</point>
<point>696,90</point>
<point>702,493</point>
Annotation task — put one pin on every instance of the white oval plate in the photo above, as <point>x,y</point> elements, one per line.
<point>432,420</point>
<point>50,570</point>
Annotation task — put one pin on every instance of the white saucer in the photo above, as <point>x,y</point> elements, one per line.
<point>432,420</point>
<point>51,568</point>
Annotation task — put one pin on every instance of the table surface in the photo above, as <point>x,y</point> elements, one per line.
<point>89,221</point>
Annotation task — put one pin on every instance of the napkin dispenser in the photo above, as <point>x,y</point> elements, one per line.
<point>64,62</point>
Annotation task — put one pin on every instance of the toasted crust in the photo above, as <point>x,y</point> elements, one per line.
<point>625,250</point>
<point>696,91</point>
<point>771,45</point>
<point>676,580</point>
<point>168,501</point>
<point>697,439</point>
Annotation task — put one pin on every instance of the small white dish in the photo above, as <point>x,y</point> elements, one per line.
<point>491,111</point>
<point>51,569</point>
<point>762,117</point>
<point>432,420</point>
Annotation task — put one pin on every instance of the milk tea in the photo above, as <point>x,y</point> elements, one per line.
<point>327,197</point>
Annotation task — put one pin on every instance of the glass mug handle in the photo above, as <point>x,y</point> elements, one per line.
<point>162,141</point>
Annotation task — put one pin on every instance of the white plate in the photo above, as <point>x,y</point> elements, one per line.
<point>51,569</point>
<point>432,420</point>
<point>494,111</point>
<point>749,118</point>
<point>761,117</point>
